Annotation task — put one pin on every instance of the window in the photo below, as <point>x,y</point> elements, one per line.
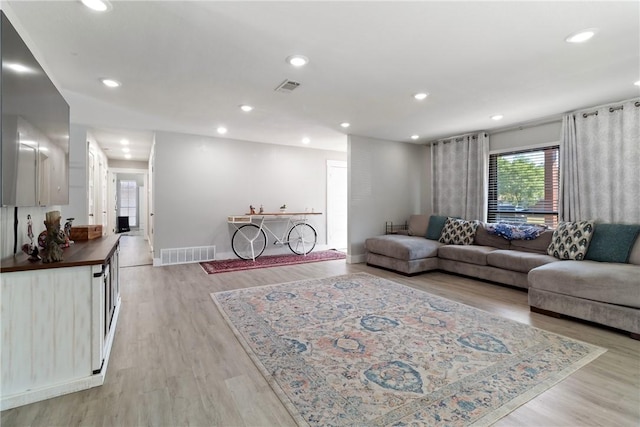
<point>523,186</point>
<point>129,201</point>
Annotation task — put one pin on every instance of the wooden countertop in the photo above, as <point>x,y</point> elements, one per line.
<point>88,252</point>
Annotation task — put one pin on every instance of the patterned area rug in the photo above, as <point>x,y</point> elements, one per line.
<point>361,350</point>
<point>226,265</point>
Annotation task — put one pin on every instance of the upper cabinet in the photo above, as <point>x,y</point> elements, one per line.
<point>35,128</point>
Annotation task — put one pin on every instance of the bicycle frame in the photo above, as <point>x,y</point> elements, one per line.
<point>291,220</point>
<point>280,240</point>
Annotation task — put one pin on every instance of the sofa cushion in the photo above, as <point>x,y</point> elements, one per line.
<point>402,247</point>
<point>571,240</point>
<point>472,254</point>
<point>611,283</point>
<point>634,257</point>
<point>418,225</point>
<point>436,224</point>
<point>612,242</point>
<point>518,261</point>
<point>458,231</point>
<point>538,245</point>
<point>483,238</point>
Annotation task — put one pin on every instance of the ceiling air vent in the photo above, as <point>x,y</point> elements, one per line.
<point>287,86</point>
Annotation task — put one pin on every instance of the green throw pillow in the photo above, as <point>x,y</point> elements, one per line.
<point>612,242</point>
<point>436,224</point>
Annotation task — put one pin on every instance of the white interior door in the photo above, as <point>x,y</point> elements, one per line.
<point>337,204</point>
<point>150,205</point>
<point>104,184</point>
<point>112,203</point>
<point>91,208</point>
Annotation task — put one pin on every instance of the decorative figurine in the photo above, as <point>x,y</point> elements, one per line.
<point>67,231</point>
<point>261,209</point>
<point>29,248</point>
<point>53,238</point>
<point>252,210</point>
<point>283,208</point>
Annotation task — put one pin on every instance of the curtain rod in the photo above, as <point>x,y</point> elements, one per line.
<point>556,118</point>
<point>457,138</point>
<point>611,110</point>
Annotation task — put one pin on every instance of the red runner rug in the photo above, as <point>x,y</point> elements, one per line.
<point>227,265</point>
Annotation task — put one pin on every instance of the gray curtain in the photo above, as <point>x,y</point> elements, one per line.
<point>460,176</point>
<point>600,164</point>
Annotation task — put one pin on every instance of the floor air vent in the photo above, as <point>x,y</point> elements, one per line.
<point>287,86</point>
<point>187,255</point>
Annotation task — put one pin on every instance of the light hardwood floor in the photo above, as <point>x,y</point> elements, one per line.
<point>175,362</point>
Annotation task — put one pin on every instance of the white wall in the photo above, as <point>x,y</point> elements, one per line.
<point>199,181</point>
<point>387,182</point>
<point>525,137</point>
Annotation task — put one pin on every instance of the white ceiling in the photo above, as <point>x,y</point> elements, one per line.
<point>187,66</point>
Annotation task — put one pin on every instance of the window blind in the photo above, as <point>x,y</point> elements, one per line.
<point>524,186</point>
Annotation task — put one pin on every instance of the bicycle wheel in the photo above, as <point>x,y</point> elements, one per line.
<point>242,239</point>
<point>302,238</point>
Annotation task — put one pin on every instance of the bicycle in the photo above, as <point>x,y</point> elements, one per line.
<point>250,240</point>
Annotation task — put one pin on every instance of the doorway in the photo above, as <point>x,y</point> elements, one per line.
<point>131,202</point>
<point>337,204</point>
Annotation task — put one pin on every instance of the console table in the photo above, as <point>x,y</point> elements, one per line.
<point>58,321</point>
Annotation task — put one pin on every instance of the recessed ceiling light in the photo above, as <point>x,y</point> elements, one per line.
<point>127,156</point>
<point>414,137</point>
<point>497,117</point>
<point>246,108</point>
<point>581,36</point>
<point>124,141</point>
<point>637,83</point>
<point>345,124</point>
<point>110,82</point>
<point>125,149</point>
<point>221,130</point>
<point>97,5</point>
<point>297,60</point>
<point>45,149</point>
<point>420,96</point>
<point>306,140</point>
<point>18,68</point>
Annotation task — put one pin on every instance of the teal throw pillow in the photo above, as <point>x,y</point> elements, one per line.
<point>436,224</point>
<point>612,242</point>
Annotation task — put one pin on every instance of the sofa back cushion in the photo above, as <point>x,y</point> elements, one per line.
<point>634,257</point>
<point>418,225</point>
<point>483,238</point>
<point>538,245</point>
<point>612,242</point>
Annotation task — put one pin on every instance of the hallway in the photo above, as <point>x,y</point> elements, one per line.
<point>134,251</point>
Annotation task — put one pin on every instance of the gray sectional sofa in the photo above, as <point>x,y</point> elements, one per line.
<point>607,293</point>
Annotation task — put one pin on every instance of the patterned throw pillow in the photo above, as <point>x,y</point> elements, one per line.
<point>571,240</point>
<point>458,231</point>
